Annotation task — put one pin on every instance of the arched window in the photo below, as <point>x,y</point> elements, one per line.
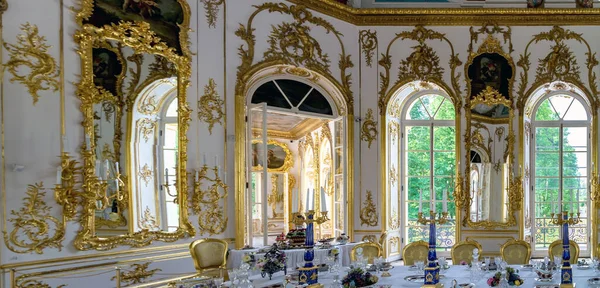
<point>168,151</point>
<point>559,167</point>
<point>427,161</point>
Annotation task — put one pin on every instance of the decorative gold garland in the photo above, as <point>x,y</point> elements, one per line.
<point>138,274</point>
<point>368,213</point>
<point>369,128</point>
<point>210,106</point>
<point>212,9</point>
<point>368,43</point>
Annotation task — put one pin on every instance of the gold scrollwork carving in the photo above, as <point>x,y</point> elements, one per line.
<point>368,44</point>
<point>148,221</point>
<point>210,106</point>
<point>369,128</point>
<point>137,274</point>
<point>212,217</point>
<point>394,220</point>
<point>369,238</point>
<point>149,106</point>
<point>291,43</point>
<point>393,175</point>
<point>559,64</point>
<point>595,187</point>
<point>31,283</point>
<point>146,127</point>
<point>145,174</point>
<point>394,244</point>
<point>368,213</point>
<point>64,193</point>
<point>421,64</point>
<point>212,9</point>
<point>31,52</point>
<point>32,223</point>
<point>394,127</point>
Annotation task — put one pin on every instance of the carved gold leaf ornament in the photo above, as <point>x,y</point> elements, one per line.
<point>147,128</point>
<point>559,64</point>
<point>30,53</point>
<point>148,221</point>
<point>136,274</point>
<point>145,174</point>
<point>394,220</point>
<point>369,128</point>
<point>368,43</point>
<point>32,224</point>
<point>394,127</point>
<point>212,9</point>
<point>421,64</point>
<point>368,213</point>
<point>369,238</point>
<point>393,175</point>
<point>210,106</point>
<point>212,217</point>
<point>149,106</point>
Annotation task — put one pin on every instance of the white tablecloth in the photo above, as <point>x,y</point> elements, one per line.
<point>460,273</point>
<point>294,256</point>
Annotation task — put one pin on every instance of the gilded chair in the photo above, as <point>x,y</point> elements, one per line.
<point>370,250</point>
<point>516,252</point>
<point>463,251</point>
<point>556,249</point>
<point>415,251</point>
<point>210,256</point>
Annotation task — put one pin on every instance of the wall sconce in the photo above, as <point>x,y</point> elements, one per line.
<point>64,191</point>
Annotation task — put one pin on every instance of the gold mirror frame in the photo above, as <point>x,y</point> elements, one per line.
<point>139,37</point>
<point>288,162</point>
<point>490,96</point>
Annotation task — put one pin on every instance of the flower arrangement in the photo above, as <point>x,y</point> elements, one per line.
<point>513,278</point>
<point>358,278</point>
<point>273,261</point>
<point>335,253</point>
<point>249,258</point>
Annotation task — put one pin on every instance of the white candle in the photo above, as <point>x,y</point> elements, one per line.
<point>323,200</point>
<point>204,159</point>
<point>294,198</point>
<point>65,143</point>
<point>307,199</point>
<point>445,201</point>
<point>98,169</point>
<point>117,166</point>
<point>312,199</point>
<point>577,195</point>
<point>59,175</point>
<point>216,159</point>
<point>87,141</point>
<point>197,176</point>
<point>420,200</point>
<point>117,185</point>
<point>167,176</point>
<point>106,169</point>
<point>225,180</point>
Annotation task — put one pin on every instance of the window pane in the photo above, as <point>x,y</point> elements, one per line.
<point>545,112</point>
<point>417,138</point>
<point>169,160</point>
<point>546,190</point>
<point>561,104</point>
<point>431,103</point>
<point>443,163</point>
<point>546,138</point>
<point>444,138</point>
<point>446,111</point>
<point>418,163</point>
<point>574,164</point>
<point>575,138</point>
<point>416,111</point>
<point>576,112</point>
<point>172,110</point>
<point>546,164</point>
<point>171,136</point>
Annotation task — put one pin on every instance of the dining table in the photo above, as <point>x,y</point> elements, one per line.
<point>461,273</point>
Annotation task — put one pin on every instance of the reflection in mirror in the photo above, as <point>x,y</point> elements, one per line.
<point>484,179</point>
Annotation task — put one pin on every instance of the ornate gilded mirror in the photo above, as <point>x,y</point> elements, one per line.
<point>489,140</point>
<point>133,86</point>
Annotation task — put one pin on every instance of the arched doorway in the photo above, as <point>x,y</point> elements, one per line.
<point>292,111</point>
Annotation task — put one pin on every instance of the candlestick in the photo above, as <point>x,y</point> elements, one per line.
<point>445,200</point>
<point>59,175</point>
<point>203,158</point>
<point>65,141</point>
<point>216,159</point>
<point>106,169</point>
<point>323,200</point>
<point>117,167</point>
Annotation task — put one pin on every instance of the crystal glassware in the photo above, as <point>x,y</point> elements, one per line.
<point>218,281</point>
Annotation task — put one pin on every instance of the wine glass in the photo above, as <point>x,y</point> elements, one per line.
<point>420,265</point>
<point>218,281</point>
<point>487,263</point>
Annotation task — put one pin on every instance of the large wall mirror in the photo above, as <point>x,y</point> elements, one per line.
<point>489,140</point>
<point>133,102</point>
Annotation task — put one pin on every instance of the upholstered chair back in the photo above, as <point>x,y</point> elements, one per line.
<point>415,251</point>
<point>516,252</point>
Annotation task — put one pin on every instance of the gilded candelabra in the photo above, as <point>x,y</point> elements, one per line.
<point>566,272</point>
<point>64,191</point>
<point>432,271</point>
<point>309,273</point>
<point>212,218</point>
<point>167,186</point>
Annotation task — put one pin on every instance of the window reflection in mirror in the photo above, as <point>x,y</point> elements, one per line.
<point>488,189</point>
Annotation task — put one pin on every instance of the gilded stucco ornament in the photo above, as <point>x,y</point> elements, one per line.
<point>139,37</point>
<point>394,220</point>
<point>145,174</point>
<point>148,221</point>
<point>210,106</point>
<point>30,283</point>
<point>65,193</point>
<point>393,175</point>
<point>559,64</point>
<point>32,224</point>
<point>422,64</point>
<point>161,68</point>
<point>368,44</point>
<point>31,54</point>
<point>137,274</point>
<point>147,128</point>
<point>209,191</point>
<point>394,127</point>
<point>369,238</point>
<point>369,128</point>
<point>212,9</point>
<point>368,213</point>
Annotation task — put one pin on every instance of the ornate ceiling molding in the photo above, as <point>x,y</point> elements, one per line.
<point>453,16</point>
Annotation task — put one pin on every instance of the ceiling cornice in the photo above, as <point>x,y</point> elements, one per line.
<point>454,16</point>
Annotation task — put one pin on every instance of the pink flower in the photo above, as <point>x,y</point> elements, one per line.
<point>463,262</point>
<point>490,281</point>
